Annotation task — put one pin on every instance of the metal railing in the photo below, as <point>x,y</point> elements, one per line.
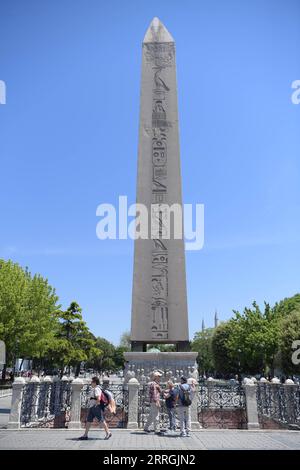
<point>278,405</point>
<point>120,394</point>
<point>46,404</point>
<point>222,405</point>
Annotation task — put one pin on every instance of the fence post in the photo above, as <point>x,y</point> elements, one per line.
<point>251,405</point>
<point>133,403</point>
<point>75,422</point>
<point>16,403</point>
<point>194,409</point>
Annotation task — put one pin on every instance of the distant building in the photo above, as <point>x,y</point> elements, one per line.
<point>216,321</point>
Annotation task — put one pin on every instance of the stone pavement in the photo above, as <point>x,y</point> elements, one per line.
<point>133,440</point>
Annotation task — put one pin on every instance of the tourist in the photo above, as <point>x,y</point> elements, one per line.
<point>154,398</point>
<point>170,396</point>
<point>97,403</point>
<point>184,392</point>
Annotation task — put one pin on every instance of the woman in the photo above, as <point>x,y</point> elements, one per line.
<point>97,403</point>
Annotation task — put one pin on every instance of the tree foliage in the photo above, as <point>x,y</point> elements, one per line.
<point>28,306</point>
<point>202,344</point>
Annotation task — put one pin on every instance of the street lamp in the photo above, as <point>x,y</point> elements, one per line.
<point>239,365</point>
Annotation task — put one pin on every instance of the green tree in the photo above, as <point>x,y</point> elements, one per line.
<point>254,341</point>
<point>223,362</point>
<point>73,342</point>
<point>28,308</point>
<point>125,341</point>
<point>202,344</point>
<point>162,347</point>
<point>106,361</point>
<point>289,333</point>
<point>118,357</point>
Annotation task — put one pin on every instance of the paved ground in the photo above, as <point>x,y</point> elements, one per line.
<point>125,439</point>
<point>4,410</point>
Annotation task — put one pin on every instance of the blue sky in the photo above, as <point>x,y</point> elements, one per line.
<point>69,136</point>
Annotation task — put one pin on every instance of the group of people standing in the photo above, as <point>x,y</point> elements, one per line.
<point>177,397</point>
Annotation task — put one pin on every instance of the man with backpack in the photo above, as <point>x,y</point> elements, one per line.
<point>99,400</point>
<point>184,393</point>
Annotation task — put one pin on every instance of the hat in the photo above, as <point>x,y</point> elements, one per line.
<point>156,374</point>
<point>191,380</point>
<point>183,378</point>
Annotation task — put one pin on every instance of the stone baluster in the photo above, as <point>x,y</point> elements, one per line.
<point>16,403</point>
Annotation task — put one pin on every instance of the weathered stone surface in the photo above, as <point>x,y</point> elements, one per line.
<point>172,365</point>
<point>159,305</point>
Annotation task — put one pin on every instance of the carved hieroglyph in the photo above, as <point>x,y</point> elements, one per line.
<point>159,311</point>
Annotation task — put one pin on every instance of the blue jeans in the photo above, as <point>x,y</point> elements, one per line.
<point>172,418</point>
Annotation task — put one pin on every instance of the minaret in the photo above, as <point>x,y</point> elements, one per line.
<point>203,325</point>
<point>159,300</point>
<point>216,319</point>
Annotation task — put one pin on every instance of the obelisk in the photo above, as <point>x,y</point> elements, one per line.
<point>159,299</point>
<point>159,302</point>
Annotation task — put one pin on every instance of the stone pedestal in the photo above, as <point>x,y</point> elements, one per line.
<point>75,422</point>
<point>251,406</point>
<point>172,365</point>
<point>16,403</point>
<point>133,403</point>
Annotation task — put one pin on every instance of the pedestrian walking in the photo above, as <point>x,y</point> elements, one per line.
<point>154,398</point>
<point>98,401</point>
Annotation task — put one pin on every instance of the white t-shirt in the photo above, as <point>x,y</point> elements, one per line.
<point>94,395</point>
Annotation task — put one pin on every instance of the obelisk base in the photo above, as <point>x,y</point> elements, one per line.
<point>172,365</point>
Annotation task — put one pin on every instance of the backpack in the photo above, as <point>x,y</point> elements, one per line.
<point>107,400</point>
<point>185,397</point>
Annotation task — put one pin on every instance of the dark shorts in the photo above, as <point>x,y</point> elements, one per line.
<point>96,412</point>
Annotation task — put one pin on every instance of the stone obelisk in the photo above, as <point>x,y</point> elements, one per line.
<point>159,300</point>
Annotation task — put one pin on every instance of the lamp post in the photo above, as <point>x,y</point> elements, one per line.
<point>262,358</point>
<point>239,365</point>
<point>16,356</point>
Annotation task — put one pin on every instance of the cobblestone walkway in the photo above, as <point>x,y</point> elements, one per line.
<point>125,439</point>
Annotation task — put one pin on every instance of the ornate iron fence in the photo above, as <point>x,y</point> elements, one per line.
<point>120,394</point>
<point>46,404</point>
<point>278,405</point>
<point>222,406</point>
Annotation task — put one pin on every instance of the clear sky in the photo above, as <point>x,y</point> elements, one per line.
<point>69,136</point>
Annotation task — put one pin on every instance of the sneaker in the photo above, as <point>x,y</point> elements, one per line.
<point>108,436</point>
<point>182,434</point>
<point>188,434</point>
<point>147,430</point>
<point>83,438</point>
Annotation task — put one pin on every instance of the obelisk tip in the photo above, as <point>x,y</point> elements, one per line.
<point>157,32</point>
